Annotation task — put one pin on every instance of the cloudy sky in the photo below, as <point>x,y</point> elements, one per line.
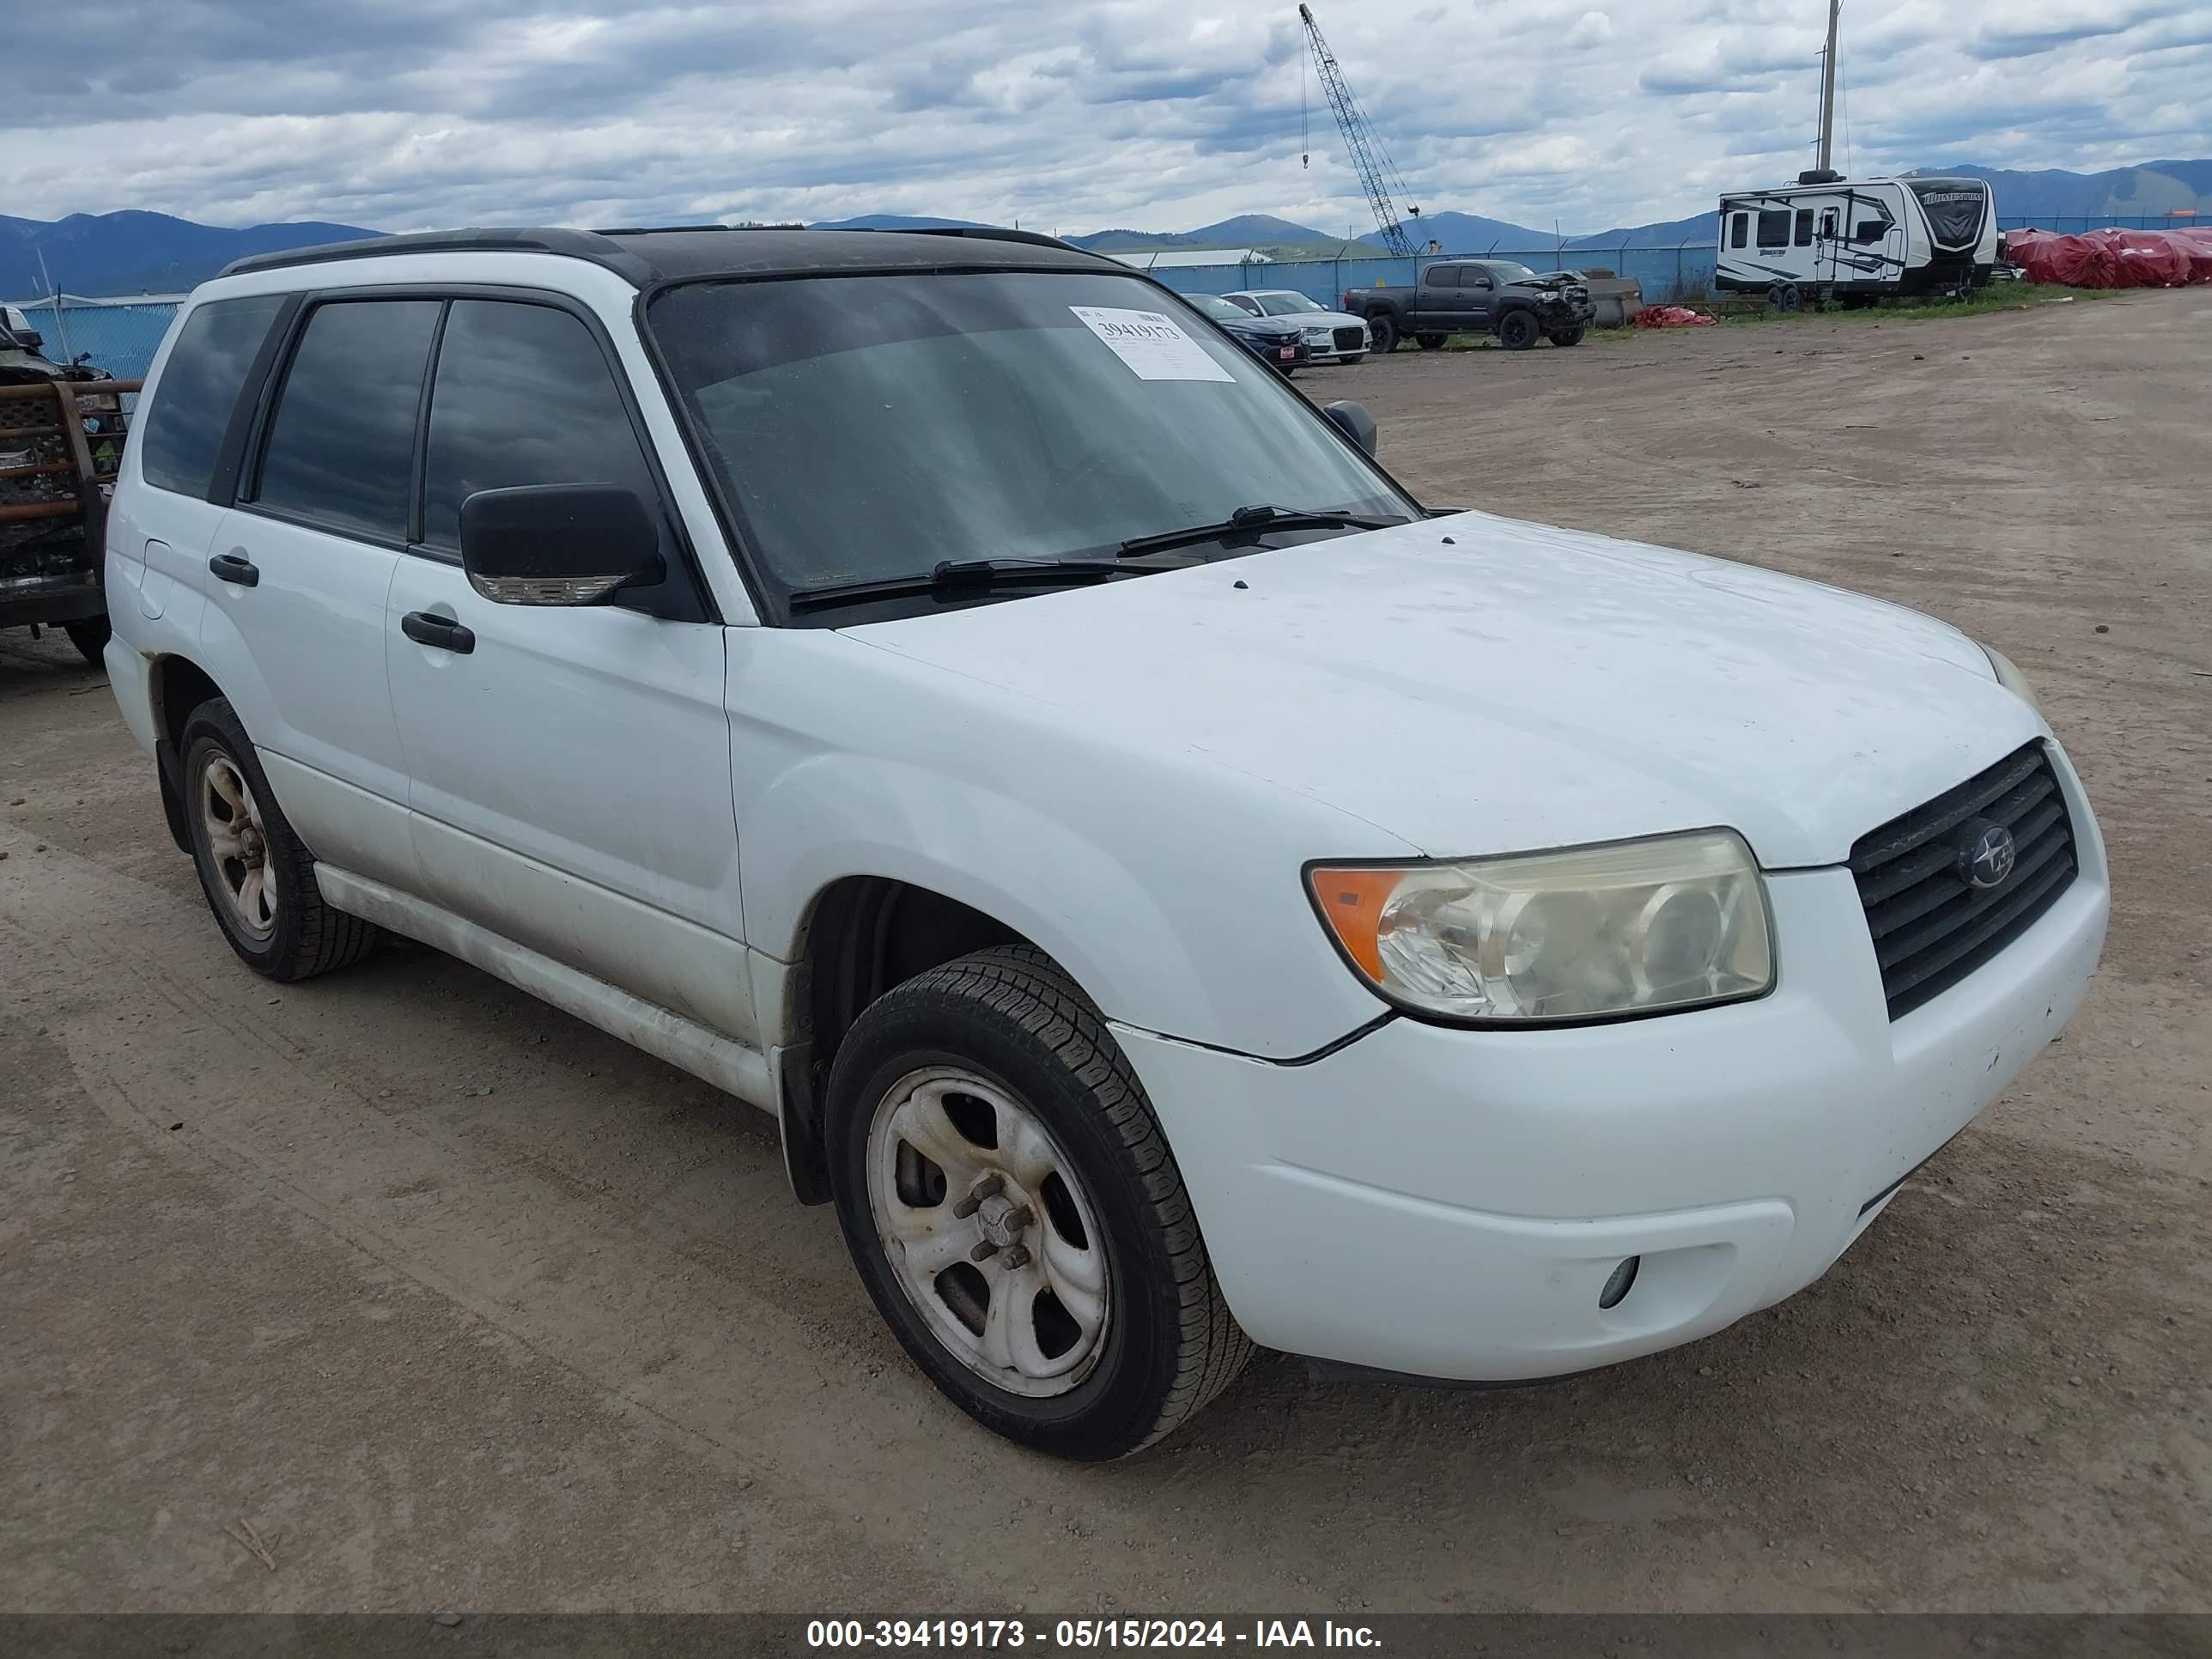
<point>1073,115</point>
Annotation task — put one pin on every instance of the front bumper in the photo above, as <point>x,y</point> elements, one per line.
<point>1450,1203</point>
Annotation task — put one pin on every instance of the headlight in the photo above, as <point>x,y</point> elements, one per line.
<point>1590,932</point>
<point>2010,678</point>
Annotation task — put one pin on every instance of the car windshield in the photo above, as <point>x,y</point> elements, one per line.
<point>1282,305</point>
<point>1506,271</point>
<point>1218,308</point>
<point>868,428</point>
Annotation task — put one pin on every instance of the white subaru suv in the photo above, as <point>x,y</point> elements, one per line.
<point>1173,890</point>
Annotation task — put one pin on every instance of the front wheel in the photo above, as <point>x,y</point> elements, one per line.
<point>1015,1212</point>
<point>1384,328</point>
<point>1517,330</point>
<point>1569,337</point>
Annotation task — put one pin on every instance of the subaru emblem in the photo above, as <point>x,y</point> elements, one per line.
<point>1986,854</point>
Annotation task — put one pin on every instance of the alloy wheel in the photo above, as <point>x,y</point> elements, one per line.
<point>238,846</point>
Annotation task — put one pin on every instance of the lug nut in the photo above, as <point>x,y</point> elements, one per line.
<point>989,1187</point>
<point>984,1250</point>
<point>1016,1257</point>
<point>1019,1218</point>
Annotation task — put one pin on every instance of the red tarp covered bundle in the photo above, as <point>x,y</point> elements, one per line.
<point>2113,259</point>
<point>1670,316</point>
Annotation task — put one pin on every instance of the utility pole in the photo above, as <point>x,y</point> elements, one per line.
<point>1828,88</point>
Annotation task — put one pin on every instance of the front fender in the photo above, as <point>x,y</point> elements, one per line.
<point>834,816</point>
<point>1168,885</point>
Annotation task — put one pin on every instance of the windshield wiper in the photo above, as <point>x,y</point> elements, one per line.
<point>953,575</point>
<point>1259,517</point>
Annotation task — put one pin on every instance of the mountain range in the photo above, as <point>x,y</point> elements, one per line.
<point>135,253</point>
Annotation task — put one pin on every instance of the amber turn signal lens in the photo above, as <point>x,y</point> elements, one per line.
<point>1351,903</point>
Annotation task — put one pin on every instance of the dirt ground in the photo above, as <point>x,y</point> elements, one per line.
<point>453,1301</point>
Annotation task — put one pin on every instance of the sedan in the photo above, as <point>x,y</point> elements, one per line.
<point>1333,337</point>
<point>1276,342</point>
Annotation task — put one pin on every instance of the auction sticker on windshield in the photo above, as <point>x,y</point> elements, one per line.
<point>1151,344</point>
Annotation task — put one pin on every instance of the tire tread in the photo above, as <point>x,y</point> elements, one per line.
<point>1024,985</point>
<point>329,938</point>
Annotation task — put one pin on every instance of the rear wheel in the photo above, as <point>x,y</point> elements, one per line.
<point>1431,342</point>
<point>1015,1212</point>
<point>258,878</point>
<point>1384,329</point>
<point>1517,330</point>
<point>90,637</point>
<point>1569,337</point>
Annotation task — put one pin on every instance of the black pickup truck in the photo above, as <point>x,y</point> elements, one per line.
<point>1477,296</point>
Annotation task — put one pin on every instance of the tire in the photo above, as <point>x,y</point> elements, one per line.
<point>1384,328</point>
<point>300,935</point>
<point>1431,342</point>
<point>1517,330</point>
<point>1569,337</point>
<point>1003,1039</point>
<point>90,637</point>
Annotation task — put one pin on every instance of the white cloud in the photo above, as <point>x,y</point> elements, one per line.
<point>1592,28</point>
<point>1152,114</point>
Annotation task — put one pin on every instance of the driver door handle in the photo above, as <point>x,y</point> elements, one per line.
<point>231,567</point>
<point>442,633</point>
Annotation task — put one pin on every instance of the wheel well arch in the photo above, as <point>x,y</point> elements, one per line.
<point>177,686</point>
<point>862,936</point>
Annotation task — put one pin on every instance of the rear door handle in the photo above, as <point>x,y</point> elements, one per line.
<point>441,632</point>
<point>231,567</point>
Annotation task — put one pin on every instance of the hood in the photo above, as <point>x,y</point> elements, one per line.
<point>1551,282</point>
<point>1477,684</point>
<point>1271,328</point>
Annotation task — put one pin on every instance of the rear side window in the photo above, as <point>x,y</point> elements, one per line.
<point>341,450</point>
<point>523,396</point>
<point>1804,227</point>
<point>1774,227</point>
<point>1443,276</point>
<point>181,436</point>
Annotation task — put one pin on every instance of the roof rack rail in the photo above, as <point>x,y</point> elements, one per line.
<point>587,245</point>
<point>672,230</point>
<point>988,234</point>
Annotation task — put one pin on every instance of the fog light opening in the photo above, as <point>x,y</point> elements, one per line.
<point>1623,1280</point>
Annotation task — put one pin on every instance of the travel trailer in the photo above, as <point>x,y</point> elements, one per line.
<point>1857,238</point>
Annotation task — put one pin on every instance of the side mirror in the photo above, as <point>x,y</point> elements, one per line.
<point>558,544</point>
<point>31,338</point>
<point>1354,422</point>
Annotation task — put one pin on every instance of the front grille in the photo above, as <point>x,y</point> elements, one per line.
<point>1351,339</point>
<point>1931,926</point>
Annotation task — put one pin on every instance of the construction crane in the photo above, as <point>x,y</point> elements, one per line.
<point>1368,158</point>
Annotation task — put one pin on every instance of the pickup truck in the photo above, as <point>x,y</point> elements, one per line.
<point>1477,296</point>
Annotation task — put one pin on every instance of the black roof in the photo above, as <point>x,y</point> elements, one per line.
<point>643,256</point>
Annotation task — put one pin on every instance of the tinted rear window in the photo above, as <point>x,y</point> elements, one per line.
<point>181,436</point>
<point>341,446</point>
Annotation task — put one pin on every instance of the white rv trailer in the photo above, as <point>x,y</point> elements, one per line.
<point>1857,238</point>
